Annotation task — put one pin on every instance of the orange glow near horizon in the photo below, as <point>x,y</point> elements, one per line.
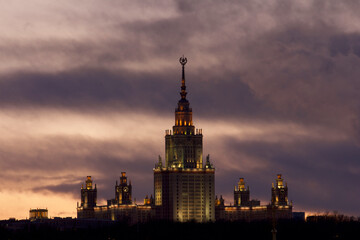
<point>18,204</point>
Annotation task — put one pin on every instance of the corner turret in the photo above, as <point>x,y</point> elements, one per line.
<point>279,192</point>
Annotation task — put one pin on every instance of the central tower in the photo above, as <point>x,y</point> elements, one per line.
<point>183,147</point>
<point>184,188</point>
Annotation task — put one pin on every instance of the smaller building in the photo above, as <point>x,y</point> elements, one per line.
<point>38,213</point>
<point>279,192</point>
<point>120,208</point>
<point>88,200</point>
<point>242,195</point>
<point>123,192</point>
<point>245,209</point>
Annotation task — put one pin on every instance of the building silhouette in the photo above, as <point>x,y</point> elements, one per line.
<point>184,186</point>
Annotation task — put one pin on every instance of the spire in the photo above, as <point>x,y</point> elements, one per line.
<point>183,113</point>
<point>208,164</point>
<point>160,162</point>
<point>183,61</point>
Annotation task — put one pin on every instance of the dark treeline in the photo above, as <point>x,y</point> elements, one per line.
<point>319,229</point>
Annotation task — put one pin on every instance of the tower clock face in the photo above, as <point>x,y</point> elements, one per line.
<point>126,189</point>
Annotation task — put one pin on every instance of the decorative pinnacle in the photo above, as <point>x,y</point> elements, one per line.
<point>183,61</point>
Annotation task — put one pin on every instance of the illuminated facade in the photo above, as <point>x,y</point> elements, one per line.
<point>184,187</point>
<point>245,209</point>
<point>241,194</point>
<point>88,199</point>
<point>123,192</point>
<point>279,192</point>
<point>120,208</point>
<point>35,214</point>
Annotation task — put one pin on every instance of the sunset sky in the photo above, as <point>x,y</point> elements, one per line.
<point>88,87</point>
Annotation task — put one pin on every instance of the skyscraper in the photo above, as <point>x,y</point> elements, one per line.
<point>184,187</point>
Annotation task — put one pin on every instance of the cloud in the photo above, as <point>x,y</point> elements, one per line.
<point>256,71</point>
<point>89,91</point>
<point>59,165</point>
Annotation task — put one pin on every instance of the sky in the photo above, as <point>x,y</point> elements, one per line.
<point>89,87</point>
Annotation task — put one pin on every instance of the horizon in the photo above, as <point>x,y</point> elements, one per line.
<point>90,87</point>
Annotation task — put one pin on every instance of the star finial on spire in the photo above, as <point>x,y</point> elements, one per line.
<point>183,61</point>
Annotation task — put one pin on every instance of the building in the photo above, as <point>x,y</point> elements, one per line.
<point>279,192</point>
<point>242,195</point>
<point>123,192</point>
<point>184,188</point>
<point>88,200</point>
<point>120,208</point>
<point>184,185</point>
<point>35,214</point>
<point>248,210</point>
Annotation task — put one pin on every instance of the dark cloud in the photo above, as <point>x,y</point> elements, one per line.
<point>84,89</point>
<point>345,44</point>
<point>286,67</point>
<point>98,90</point>
<point>62,188</point>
